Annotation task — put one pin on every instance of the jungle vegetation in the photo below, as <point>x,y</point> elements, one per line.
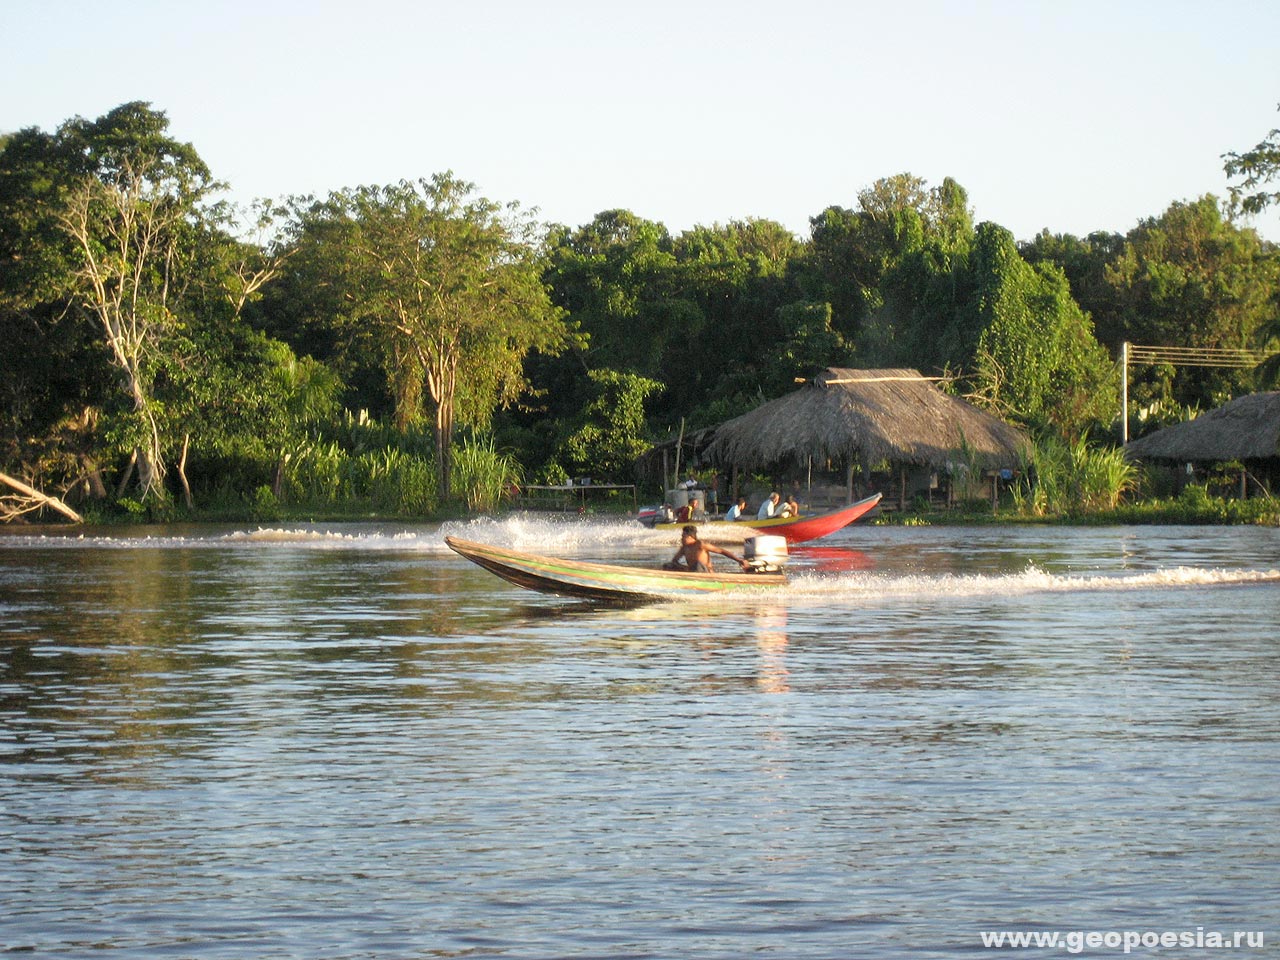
<point>403,347</point>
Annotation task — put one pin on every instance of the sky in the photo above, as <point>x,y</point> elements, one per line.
<point>1070,115</point>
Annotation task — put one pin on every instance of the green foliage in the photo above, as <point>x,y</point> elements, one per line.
<point>363,461</point>
<point>316,474</point>
<point>394,482</point>
<point>1035,357</point>
<point>1073,478</point>
<point>807,342</point>
<point>484,478</point>
<point>266,506</point>
<point>445,287</point>
<point>1195,505</point>
<point>1255,168</point>
<point>609,435</point>
<point>1189,278</point>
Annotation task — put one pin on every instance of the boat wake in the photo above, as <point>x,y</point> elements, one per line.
<point>821,573</point>
<point>1033,580</point>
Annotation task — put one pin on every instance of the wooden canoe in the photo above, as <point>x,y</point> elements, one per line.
<point>605,581</point>
<point>803,527</point>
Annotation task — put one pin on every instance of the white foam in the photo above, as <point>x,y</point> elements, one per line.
<point>1032,580</point>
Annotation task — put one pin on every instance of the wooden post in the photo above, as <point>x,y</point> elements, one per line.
<point>1124,392</point>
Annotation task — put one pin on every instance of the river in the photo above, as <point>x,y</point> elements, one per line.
<point>343,741</point>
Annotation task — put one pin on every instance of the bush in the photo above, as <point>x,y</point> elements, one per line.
<point>482,478</point>
<point>1073,478</point>
<point>395,482</point>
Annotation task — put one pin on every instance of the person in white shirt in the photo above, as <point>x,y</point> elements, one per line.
<point>769,506</point>
<point>735,512</point>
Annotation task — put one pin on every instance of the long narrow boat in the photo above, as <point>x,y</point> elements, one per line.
<point>801,528</point>
<point>604,581</point>
<point>798,529</point>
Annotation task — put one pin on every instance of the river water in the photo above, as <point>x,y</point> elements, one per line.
<point>344,741</point>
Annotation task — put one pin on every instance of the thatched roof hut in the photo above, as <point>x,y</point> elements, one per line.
<point>867,416</point>
<point>1246,429</point>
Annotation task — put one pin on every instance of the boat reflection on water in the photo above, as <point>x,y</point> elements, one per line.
<point>833,559</point>
<point>771,641</point>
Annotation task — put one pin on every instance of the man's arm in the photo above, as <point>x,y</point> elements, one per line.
<point>741,561</point>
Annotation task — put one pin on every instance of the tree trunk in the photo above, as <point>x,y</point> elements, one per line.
<point>444,448</point>
<point>93,479</point>
<point>127,475</point>
<point>182,471</point>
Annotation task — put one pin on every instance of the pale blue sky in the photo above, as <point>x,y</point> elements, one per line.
<point>1076,116</point>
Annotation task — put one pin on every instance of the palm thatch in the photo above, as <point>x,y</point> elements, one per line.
<point>1247,428</point>
<point>868,416</point>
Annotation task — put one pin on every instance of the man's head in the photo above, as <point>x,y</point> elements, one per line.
<point>688,531</point>
<point>775,496</point>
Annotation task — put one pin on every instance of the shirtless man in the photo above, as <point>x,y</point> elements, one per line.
<point>697,554</point>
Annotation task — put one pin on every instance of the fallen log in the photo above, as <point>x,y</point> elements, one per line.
<point>35,499</point>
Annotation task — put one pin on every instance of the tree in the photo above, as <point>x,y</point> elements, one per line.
<point>1085,262</point>
<point>610,432</point>
<point>1034,356</point>
<point>449,288</point>
<point>1190,278</point>
<point>739,276</point>
<point>1256,168</point>
<point>875,264</point>
<point>808,342</point>
<point>113,210</point>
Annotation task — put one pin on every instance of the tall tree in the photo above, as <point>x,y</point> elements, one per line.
<point>449,286</point>
<point>1033,352</point>
<point>117,206</point>
<point>871,263</point>
<point>609,433</point>
<point>1190,278</point>
<point>740,276</point>
<point>1085,262</point>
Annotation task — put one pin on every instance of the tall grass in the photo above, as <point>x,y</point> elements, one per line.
<point>359,463</point>
<point>325,474</point>
<point>482,478</point>
<point>396,482</point>
<point>1070,478</point>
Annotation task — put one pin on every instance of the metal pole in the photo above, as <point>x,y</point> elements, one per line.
<point>1124,392</point>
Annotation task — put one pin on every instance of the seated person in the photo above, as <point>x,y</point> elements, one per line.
<point>770,507</point>
<point>693,511</point>
<point>790,507</point>
<point>696,553</point>
<point>735,512</point>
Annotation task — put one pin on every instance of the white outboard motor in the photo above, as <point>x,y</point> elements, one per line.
<point>765,554</point>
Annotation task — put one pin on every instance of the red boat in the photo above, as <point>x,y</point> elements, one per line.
<point>795,529</point>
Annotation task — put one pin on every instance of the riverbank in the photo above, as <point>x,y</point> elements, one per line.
<point>1196,508</point>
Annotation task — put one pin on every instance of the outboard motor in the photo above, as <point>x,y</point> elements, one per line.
<point>765,554</point>
<point>649,516</point>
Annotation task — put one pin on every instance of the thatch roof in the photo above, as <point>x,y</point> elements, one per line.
<point>867,416</point>
<point>1247,428</point>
